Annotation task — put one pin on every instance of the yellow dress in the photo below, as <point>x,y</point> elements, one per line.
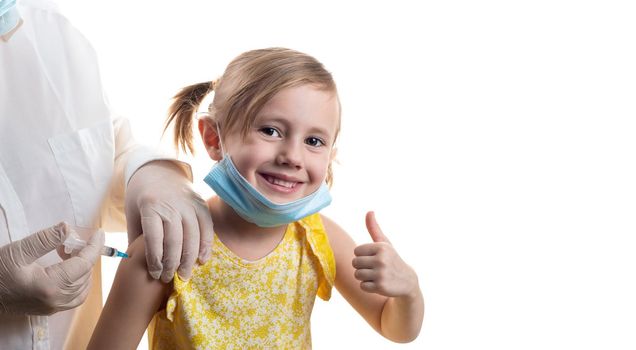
<point>232,303</point>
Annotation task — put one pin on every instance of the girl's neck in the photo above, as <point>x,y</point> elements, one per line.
<point>225,218</point>
<point>240,235</point>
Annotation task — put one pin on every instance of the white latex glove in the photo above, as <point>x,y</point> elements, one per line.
<point>175,221</point>
<point>29,288</point>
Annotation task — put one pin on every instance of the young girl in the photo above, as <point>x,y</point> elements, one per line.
<point>272,127</point>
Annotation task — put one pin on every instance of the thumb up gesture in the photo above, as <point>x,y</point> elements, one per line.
<point>378,266</point>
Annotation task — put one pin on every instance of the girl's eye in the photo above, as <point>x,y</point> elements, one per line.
<point>269,131</point>
<point>314,141</point>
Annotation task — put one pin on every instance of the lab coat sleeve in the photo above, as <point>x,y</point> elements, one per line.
<point>129,156</point>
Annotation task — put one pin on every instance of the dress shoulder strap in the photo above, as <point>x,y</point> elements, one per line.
<point>320,247</point>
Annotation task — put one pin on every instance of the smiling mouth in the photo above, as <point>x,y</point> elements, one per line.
<point>279,182</point>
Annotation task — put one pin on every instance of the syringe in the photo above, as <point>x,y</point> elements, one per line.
<point>73,242</point>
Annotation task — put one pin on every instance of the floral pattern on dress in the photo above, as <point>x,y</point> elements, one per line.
<point>233,303</point>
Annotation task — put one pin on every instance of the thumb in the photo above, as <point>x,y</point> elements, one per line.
<point>32,247</point>
<point>76,267</point>
<point>93,247</point>
<point>374,229</point>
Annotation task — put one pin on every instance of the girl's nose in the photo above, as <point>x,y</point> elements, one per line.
<point>290,154</point>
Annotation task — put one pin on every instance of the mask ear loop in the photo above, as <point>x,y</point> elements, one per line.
<point>218,133</point>
<point>202,115</point>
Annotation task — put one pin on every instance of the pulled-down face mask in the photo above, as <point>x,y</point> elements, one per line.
<point>9,16</point>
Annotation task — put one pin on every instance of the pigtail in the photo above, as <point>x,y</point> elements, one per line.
<point>185,103</point>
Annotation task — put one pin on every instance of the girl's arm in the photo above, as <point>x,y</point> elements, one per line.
<point>132,302</point>
<point>377,282</point>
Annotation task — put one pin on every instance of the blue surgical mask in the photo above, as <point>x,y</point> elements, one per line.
<point>252,206</point>
<point>9,16</point>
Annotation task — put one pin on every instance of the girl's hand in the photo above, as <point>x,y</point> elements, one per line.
<point>379,268</point>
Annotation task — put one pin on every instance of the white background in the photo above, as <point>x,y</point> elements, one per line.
<point>494,139</point>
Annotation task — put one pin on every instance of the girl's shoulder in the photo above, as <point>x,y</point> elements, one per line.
<point>339,239</point>
<point>332,228</point>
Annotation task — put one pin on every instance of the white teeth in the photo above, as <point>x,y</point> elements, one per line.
<point>280,182</point>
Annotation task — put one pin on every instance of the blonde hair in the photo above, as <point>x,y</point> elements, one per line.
<point>249,82</point>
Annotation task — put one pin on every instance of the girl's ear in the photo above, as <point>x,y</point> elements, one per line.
<point>210,138</point>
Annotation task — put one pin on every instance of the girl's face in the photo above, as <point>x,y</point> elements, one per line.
<point>287,151</point>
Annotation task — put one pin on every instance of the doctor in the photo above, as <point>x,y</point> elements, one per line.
<point>65,157</point>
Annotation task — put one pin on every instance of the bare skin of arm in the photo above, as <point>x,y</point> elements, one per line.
<point>379,285</point>
<point>133,300</point>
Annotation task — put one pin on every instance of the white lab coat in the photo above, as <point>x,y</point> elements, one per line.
<point>63,156</point>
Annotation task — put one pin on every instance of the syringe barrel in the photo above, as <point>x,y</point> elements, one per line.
<point>108,251</point>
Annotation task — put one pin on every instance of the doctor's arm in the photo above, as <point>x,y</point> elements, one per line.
<point>133,300</point>
<point>379,285</point>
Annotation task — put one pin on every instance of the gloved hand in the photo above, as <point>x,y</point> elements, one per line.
<point>29,288</point>
<point>175,221</point>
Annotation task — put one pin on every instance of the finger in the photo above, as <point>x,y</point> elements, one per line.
<point>364,262</point>
<point>65,286</point>
<point>191,241</point>
<point>93,247</point>
<point>32,247</point>
<point>69,271</point>
<point>374,229</point>
<point>368,249</point>
<point>206,228</point>
<point>73,287</point>
<point>69,289</point>
<point>133,222</point>
<point>365,275</point>
<point>172,247</point>
<point>369,286</point>
<point>77,269</point>
<point>78,297</point>
<point>152,227</point>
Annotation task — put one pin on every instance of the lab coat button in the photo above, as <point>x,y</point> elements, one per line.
<point>40,334</point>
